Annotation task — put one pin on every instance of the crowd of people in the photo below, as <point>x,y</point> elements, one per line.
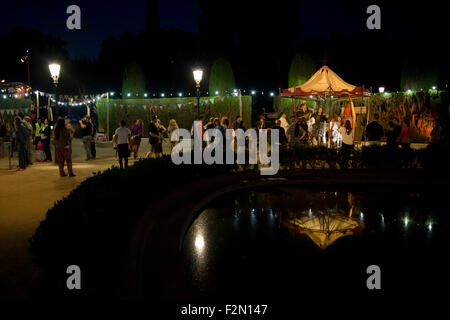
<point>308,127</point>
<point>32,139</point>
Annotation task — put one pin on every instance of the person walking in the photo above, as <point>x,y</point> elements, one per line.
<point>137,132</point>
<point>86,127</point>
<point>63,150</point>
<point>122,139</point>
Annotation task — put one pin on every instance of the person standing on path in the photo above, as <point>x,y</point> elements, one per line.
<point>45,138</point>
<point>37,129</point>
<point>27,122</point>
<point>153,137</point>
<point>86,127</point>
<point>137,132</point>
<point>122,140</point>
<point>94,139</point>
<point>22,137</point>
<point>63,150</point>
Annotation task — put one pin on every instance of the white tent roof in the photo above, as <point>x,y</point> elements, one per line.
<point>323,80</point>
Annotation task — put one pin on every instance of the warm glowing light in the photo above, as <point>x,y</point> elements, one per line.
<point>271,94</point>
<point>199,242</point>
<point>434,87</point>
<point>180,94</point>
<point>381,89</point>
<point>54,71</point>
<point>198,75</point>
<point>145,95</point>
<point>162,94</point>
<point>253,92</point>
<point>128,94</point>
<point>217,92</point>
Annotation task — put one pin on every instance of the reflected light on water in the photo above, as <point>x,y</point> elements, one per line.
<point>199,243</point>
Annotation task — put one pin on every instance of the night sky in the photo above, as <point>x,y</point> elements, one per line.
<point>404,20</point>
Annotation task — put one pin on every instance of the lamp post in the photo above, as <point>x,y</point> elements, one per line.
<point>54,72</point>
<point>198,75</point>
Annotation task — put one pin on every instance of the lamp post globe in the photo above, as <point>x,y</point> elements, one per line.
<point>198,75</point>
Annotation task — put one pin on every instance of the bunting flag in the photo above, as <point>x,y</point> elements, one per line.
<point>2,112</point>
<point>222,98</point>
<point>150,108</point>
<point>144,107</point>
<point>212,100</point>
<point>179,105</point>
<point>195,103</point>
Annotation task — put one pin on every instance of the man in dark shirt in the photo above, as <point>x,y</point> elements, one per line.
<point>153,136</point>
<point>86,131</point>
<point>282,135</point>
<point>374,130</point>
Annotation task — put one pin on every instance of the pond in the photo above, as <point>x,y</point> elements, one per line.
<point>272,242</point>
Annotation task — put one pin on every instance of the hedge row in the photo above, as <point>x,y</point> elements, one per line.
<point>132,109</point>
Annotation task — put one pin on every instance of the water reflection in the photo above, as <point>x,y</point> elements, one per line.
<point>199,243</point>
<point>323,228</point>
<point>330,235</point>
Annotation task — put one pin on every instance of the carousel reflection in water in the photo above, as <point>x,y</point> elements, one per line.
<point>323,228</point>
<point>242,240</point>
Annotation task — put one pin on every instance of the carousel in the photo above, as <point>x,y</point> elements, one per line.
<point>324,88</point>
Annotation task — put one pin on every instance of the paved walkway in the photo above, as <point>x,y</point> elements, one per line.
<point>25,198</point>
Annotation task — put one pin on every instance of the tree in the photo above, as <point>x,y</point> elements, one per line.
<point>221,78</point>
<point>133,81</point>
<point>418,73</point>
<point>302,68</point>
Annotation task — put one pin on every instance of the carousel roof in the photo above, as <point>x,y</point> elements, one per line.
<point>325,82</point>
<point>324,229</point>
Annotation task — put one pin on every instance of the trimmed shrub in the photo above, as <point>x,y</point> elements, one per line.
<point>221,77</point>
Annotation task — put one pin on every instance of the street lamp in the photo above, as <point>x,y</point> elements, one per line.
<point>55,68</point>
<point>54,72</point>
<point>381,89</point>
<point>198,75</point>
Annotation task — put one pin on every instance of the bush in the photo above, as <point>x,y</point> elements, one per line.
<point>132,109</point>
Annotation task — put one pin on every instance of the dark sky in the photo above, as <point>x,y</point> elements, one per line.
<point>403,20</point>
<point>99,19</point>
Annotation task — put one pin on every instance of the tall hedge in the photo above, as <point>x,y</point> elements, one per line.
<point>418,74</point>
<point>182,110</point>
<point>302,68</point>
<point>133,80</point>
<point>221,78</point>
